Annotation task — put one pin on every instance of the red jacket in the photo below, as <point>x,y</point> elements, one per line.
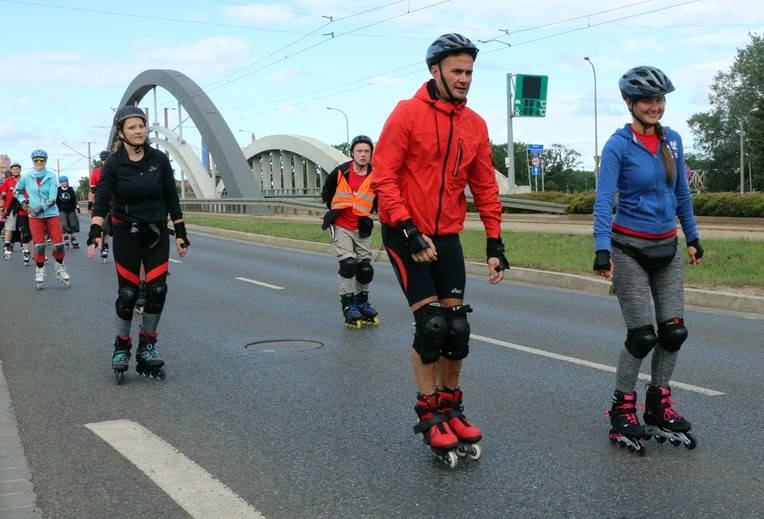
<point>428,152</point>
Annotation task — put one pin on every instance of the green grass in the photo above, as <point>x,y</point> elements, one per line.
<point>731,263</point>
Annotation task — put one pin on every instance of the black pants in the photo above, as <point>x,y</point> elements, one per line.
<point>134,244</point>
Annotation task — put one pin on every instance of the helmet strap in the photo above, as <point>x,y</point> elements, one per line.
<point>450,98</point>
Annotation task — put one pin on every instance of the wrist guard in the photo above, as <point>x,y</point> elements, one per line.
<point>90,205</point>
<point>413,237</point>
<point>696,243</point>
<point>602,260</point>
<point>180,232</point>
<point>494,248</point>
<point>96,231</point>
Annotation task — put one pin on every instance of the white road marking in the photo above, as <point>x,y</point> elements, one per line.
<point>175,261</point>
<point>595,365</point>
<point>193,488</point>
<point>274,287</point>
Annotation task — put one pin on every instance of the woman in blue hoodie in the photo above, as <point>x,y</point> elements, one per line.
<point>36,192</point>
<point>643,163</point>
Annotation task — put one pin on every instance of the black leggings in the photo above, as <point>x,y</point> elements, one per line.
<point>134,244</point>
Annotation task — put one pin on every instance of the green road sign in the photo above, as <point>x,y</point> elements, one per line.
<point>530,97</point>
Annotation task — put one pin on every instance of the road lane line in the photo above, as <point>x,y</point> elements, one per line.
<point>172,260</point>
<point>595,365</point>
<point>186,483</point>
<point>274,287</point>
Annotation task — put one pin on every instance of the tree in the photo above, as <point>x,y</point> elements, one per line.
<point>499,155</point>
<point>737,100</point>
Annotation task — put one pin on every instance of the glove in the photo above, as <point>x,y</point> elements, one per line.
<point>696,243</point>
<point>180,232</point>
<point>329,218</point>
<point>365,225</point>
<point>414,239</point>
<point>90,205</point>
<point>25,206</point>
<point>95,233</point>
<point>494,248</point>
<point>78,210</point>
<point>602,260</point>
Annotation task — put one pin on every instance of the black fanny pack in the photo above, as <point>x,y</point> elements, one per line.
<point>651,257</point>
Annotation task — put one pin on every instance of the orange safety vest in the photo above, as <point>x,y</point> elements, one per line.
<point>361,202</point>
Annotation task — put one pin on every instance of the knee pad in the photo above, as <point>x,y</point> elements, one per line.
<point>39,248</point>
<point>671,334</point>
<point>156,293</point>
<point>365,272</point>
<point>348,267</point>
<point>58,248</point>
<point>640,341</point>
<point>431,331</point>
<point>126,298</point>
<point>456,345</point>
<point>26,235</point>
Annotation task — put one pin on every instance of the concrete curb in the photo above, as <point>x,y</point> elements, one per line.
<point>703,298</point>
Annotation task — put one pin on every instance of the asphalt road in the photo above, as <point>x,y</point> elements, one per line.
<point>318,424</point>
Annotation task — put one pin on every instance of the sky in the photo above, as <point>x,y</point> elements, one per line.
<point>274,68</point>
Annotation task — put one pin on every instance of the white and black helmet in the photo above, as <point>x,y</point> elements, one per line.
<point>641,82</point>
<point>447,44</point>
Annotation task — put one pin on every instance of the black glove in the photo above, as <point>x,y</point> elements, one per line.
<point>602,260</point>
<point>180,232</point>
<point>494,248</point>
<point>365,225</point>
<point>413,237</point>
<point>329,218</point>
<point>95,233</point>
<point>90,205</point>
<point>696,243</point>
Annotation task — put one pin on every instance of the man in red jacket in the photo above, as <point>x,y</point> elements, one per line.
<point>16,219</point>
<point>431,148</point>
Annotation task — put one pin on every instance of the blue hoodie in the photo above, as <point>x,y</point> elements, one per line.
<point>42,196</point>
<point>646,202</point>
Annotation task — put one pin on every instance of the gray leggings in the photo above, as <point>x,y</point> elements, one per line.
<point>637,290</point>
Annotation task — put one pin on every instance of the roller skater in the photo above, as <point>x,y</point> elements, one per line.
<point>137,186</point>
<point>624,424</point>
<point>350,311</point>
<point>638,248</point>
<point>421,216</point>
<point>147,357</point>
<point>120,358</point>
<point>39,277</point>
<point>66,200</point>
<point>16,218</point>
<point>62,275</point>
<point>368,314</point>
<point>348,196</point>
<point>662,422</point>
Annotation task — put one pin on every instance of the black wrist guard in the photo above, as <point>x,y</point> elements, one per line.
<point>90,205</point>
<point>602,260</point>
<point>180,232</point>
<point>414,239</point>
<point>95,233</point>
<point>494,248</point>
<point>696,243</point>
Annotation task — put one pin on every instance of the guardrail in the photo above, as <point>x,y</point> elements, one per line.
<point>240,206</point>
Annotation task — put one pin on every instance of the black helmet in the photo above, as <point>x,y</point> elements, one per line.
<point>103,155</point>
<point>449,44</point>
<point>127,112</point>
<point>641,82</point>
<point>361,138</point>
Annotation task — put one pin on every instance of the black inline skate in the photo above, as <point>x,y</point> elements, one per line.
<point>148,362</point>
<point>624,423</point>
<point>26,256</point>
<point>75,243</point>
<point>120,359</point>
<point>662,422</point>
<point>368,314</point>
<point>104,252</point>
<point>350,311</point>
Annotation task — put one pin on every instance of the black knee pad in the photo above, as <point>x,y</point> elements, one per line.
<point>431,331</point>
<point>365,272</point>
<point>348,267</point>
<point>640,341</point>
<point>156,293</point>
<point>671,334</point>
<point>39,248</point>
<point>456,345</point>
<point>126,298</point>
<point>26,235</point>
<point>59,247</point>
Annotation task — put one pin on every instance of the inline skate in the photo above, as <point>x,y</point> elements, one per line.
<point>148,362</point>
<point>104,252</point>
<point>7,250</point>
<point>66,241</point>
<point>662,422</point>
<point>120,359</point>
<point>26,256</point>
<point>469,436</point>
<point>625,427</point>
<point>350,311</point>
<point>75,243</point>
<point>62,275</point>
<point>39,277</point>
<point>368,314</point>
<point>433,425</point>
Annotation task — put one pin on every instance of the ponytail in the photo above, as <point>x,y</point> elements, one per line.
<point>667,155</point>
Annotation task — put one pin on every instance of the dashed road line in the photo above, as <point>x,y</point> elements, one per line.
<point>254,282</point>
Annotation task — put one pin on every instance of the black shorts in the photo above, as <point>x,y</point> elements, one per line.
<point>444,278</point>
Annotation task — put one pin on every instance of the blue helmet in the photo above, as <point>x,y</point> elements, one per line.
<point>39,154</point>
<point>63,178</point>
<point>451,43</point>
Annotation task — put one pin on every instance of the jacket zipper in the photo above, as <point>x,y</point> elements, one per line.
<point>443,170</point>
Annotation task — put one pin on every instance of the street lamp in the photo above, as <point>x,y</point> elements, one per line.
<point>347,127</point>
<point>249,132</point>
<point>742,152</point>
<point>596,143</point>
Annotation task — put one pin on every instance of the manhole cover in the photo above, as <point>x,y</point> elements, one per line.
<point>283,345</point>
